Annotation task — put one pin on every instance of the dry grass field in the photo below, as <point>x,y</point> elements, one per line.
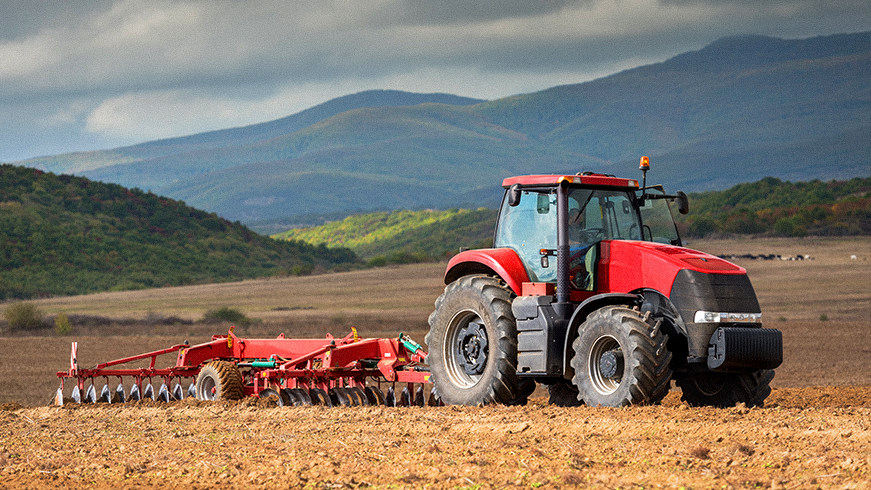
<point>814,433</point>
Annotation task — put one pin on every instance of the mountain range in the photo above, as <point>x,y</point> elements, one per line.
<point>738,110</point>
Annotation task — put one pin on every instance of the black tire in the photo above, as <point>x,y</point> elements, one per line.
<point>473,343</point>
<point>563,394</point>
<point>620,359</point>
<point>220,380</point>
<point>727,389</point>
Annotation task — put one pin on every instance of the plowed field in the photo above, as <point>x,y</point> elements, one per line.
<point>814,432</point>
<point>806,438</point>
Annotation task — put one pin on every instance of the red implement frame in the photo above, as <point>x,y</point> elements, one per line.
<point>275,363</point>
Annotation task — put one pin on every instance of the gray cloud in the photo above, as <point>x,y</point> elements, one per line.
<point>101,73</point>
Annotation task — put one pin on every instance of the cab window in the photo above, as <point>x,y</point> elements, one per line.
<point>527,228</point>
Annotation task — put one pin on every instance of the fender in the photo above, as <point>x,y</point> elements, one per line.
<point>584,309</point>
<point>503,262</point>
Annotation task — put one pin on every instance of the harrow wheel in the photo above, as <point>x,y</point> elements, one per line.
<point>220,380</point>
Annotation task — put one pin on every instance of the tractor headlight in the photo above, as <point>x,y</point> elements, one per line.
<point>722,317</point>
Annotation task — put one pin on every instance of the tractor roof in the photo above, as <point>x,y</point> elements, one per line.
<point>584,179</point>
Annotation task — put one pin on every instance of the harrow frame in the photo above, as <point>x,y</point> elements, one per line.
<point>266,364</point>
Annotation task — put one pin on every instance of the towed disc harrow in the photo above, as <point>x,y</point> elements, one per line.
<point>332,372</point>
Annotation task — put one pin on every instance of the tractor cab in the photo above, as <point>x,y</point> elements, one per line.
<point>598,208</point>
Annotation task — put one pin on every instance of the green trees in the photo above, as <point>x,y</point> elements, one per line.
<point>62,235</point>
<point>771,206</point>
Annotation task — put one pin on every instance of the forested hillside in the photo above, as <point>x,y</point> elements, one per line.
<point>771,206</point>
<point>64,235</point>
<point>403,236</point>
<point>767,207</point>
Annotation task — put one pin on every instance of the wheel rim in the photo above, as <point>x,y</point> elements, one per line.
<point>208,388</point>
<point>605,365</point>
<point>467,348</point>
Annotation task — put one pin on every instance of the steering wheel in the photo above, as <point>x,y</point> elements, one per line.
<point>595,233</point>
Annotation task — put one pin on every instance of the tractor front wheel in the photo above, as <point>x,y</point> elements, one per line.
<point>220,380</point>
<point>620,359</point>
<point>563,394</point>
<point>473,344</point>
<point>727,389</point>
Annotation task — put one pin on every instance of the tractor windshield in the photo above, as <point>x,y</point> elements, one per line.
<point>657,218</point>
<point>597,214</point>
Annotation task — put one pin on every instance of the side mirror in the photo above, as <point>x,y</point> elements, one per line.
<point>683,203</point>
<point>514,193</point>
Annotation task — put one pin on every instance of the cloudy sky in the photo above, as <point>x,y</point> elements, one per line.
<point>92,74</point>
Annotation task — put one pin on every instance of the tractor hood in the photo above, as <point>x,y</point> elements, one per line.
<point>633,265</point>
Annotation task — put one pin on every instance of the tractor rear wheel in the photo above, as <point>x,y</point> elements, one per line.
<point>220,380</point>
<point>620,359</point>
<point>727,389</point>
<point>473,343</point>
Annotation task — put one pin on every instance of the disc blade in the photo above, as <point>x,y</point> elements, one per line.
<point>91,395</point>
<point>405,398</point>
<point>120,395</point>
<point>177,392</point>
<point>339,397</point>
<point>285,397</point>
<point>375,396</point>
<point>322,397</point>
<point>163,393</point>
<point>302,396</point>
<point>361,396</point>
<point>105,396</point>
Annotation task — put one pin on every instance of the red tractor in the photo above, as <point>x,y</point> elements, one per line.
<point>589,292</point>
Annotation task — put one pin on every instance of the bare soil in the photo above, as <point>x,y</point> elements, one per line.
<point>815,431</point>
<point>807,438</point>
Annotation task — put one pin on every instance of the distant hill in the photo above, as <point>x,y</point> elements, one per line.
<point>766,207</point>
<point>738,110</point>
<point>401,236</point>
<point>63,235</point>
